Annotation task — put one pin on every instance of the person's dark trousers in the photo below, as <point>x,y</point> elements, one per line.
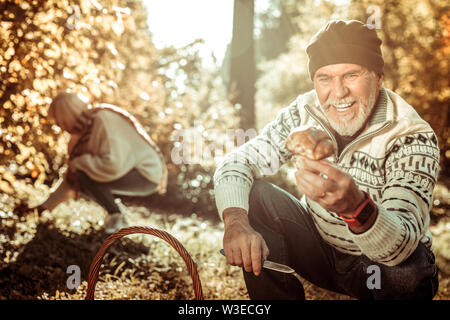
<point>103,192</point>
<point>97,192</point>
<point>293,239</point>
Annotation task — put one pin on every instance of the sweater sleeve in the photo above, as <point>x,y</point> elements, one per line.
<point>109,158</point>
<point>261,156</point>
<point>407,197</point>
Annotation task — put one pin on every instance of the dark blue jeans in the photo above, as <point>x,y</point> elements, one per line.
<point>293,239</point>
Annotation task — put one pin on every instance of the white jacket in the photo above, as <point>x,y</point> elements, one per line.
<point>114,148</point>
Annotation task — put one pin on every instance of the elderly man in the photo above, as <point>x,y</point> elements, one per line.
<point>361,227</point>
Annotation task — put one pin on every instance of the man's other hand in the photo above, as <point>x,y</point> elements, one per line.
<point>243,246</point>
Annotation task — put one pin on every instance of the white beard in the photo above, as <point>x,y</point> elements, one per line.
<point>350,127</point>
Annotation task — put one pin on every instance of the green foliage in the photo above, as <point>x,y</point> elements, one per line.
<point>103,50</point>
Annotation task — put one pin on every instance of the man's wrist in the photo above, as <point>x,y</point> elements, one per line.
<point>234,214</point>
<point>359,199</point>
<point>366,226</point>
<point>363,217</point>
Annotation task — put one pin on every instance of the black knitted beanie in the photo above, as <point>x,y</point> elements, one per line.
<point>345,42</point>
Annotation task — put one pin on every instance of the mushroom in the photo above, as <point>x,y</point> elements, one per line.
<point>310,143</point>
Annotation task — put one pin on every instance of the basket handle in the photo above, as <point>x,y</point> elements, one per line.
<point>96,263</point>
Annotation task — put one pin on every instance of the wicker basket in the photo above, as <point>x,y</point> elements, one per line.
<point>96,263</point>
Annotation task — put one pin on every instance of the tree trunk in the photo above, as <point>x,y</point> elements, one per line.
<point>242,64</point>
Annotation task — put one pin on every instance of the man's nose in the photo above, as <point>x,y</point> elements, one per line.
<point>340,90</point>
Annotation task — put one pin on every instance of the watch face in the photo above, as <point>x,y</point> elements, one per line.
<point>365,213</point>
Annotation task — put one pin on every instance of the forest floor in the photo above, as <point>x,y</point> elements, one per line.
<point>35,253</point>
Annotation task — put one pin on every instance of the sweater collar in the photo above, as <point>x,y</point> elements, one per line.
<point>379,114</point>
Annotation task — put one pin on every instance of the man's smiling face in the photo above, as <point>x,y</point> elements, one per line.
<point>347,93</point>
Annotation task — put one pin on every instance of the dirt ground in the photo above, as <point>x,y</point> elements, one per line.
<point>35,253</point>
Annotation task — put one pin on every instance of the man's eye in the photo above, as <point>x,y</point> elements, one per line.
<point>351,76</point>
<point>323,80</point>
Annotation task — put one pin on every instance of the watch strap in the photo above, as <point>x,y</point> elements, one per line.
<point>356,220</point>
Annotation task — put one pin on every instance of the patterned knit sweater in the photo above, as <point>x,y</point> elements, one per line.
<point>395,160</point>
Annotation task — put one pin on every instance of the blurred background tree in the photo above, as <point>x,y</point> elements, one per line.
<point>242,63</point>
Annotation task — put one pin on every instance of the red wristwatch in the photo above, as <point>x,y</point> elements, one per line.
<point>362,213</point>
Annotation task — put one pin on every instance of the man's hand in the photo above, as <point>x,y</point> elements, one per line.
<point>243,246</point>
<point>339,193</point>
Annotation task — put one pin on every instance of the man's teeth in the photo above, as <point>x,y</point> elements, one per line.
<point>343,106</point>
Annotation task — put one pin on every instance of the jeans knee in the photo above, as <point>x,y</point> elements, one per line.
<point>264,197</point>
<point>416,287</point>
<point>262,208</point>
<point>259,191</point>
<point>415,278</point>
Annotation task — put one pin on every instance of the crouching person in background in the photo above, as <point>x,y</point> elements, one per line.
<point>109,154</point>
